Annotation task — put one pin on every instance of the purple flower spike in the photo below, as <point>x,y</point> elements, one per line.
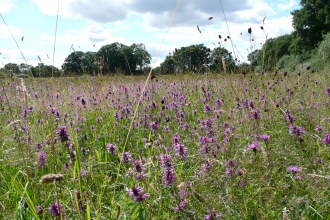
<point>136,194</point>
<point>111,148</point>
<point>63,133</point>
<point>127,157</point>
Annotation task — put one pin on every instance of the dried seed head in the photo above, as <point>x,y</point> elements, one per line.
<point>261,27</point>
<point>48,178</point>
<point>219,36</point>
<point>210,18</point>
<point>249,30</point>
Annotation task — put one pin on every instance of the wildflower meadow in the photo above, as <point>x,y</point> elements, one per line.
<point>231,146</point>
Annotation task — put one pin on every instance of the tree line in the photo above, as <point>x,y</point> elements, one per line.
<point>311,37</point>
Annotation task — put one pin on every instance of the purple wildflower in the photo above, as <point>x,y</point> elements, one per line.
<point>175,139</point>
<point>239,172</point>
<point>154,126</point>
<point>256,114</point>
<point>80,203</point>
<point>254,146</point>
<point>212,215</point>
<point>136,194</point>
<point>39,210</point>
<point>139,170</point>
<point>319,160</point>
<point>166,161</point>
<point>63,133</point>
<point>231,163</point>
<point>326,139</point>
<point>264,137</point>
<point>318,129</point>
<point>294,169</point>
<point>299,131</point>
<point>327,90</point>
<point>127,157</point>
<point>42,158</point>
<point>56,209</point>
<point>181,151</point>
<point>289,117</point>
<point>111,148</point>
<point>169,177</point>
<point>182,194</point>
<point>180,207</point>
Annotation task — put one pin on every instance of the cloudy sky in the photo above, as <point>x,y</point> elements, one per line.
<point>85,23</point>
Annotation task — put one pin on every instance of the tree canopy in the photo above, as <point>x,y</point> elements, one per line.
<point>310,23</point>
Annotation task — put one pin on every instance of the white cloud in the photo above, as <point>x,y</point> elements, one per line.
<point>6,5</point>
<point>92,34</point>
<point>4,32</point>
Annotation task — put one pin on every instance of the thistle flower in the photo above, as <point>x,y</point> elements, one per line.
<point>294,169</point>
<point>136,194</point>
<point>264,137</point>
<point>254,146</point>
<point>56,209</point>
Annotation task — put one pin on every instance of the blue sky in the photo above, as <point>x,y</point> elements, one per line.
<point>84,23</point>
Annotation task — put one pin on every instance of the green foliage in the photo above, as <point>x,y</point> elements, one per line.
<point>117,57</point>
<point>216,63</point>
<point>310,22</point>
<point>324,48</point>
<point>45,71</point>
<point>12,67</point>
<point>168,66</point>
<point>194,58</point>
<point>74,63</point>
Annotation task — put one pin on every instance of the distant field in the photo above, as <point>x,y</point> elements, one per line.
<point>200,146</point>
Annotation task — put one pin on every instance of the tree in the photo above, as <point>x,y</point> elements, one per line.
<point>112,61</point>
<point>194,58</point>
<point>90,64</point>
<point>216,59</point>
<point>141,56</point>
<point>13,67</point>
<point>168,65</point>
<point>74,63</point>
<point>310,23</point>
<point>274,49</point>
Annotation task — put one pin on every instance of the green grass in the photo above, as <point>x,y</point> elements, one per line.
<point>177,104</point>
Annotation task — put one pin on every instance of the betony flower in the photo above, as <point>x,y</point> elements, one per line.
<point>63,133</point>
<point>111,148</point>
<point>56,209</point>
<point>136,194</point>
<point>42,158</point>
<point>126,157</point>
<point>169,177</point>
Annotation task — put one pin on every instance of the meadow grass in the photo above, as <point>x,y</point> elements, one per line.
<point>236,146</point>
